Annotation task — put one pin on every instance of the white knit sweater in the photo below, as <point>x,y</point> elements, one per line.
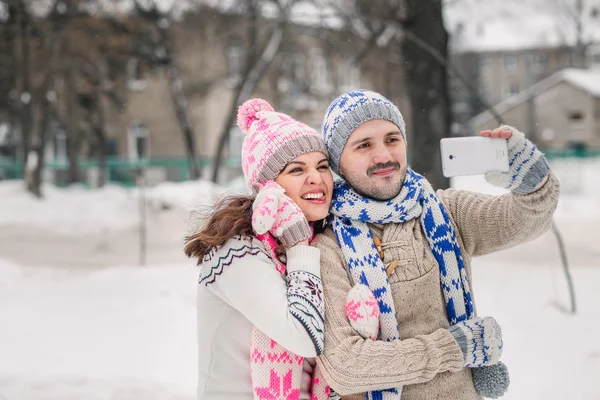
<point>244,290</point>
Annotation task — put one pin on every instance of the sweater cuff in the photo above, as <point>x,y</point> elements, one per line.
<point>304,258</point>
<point>451,355</point>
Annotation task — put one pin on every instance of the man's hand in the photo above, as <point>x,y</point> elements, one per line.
<point>528,167</point>
<point>497,133</point>
<point>480,340</point>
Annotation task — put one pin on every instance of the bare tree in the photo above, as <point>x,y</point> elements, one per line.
<point>77,49</point>
<point>427,82</point>
<point>161,21</point>
<point>575,22</point>
<point>255,67</point>
<point>23,84</point>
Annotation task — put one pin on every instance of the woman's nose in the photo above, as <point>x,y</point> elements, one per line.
<point>314,177</point>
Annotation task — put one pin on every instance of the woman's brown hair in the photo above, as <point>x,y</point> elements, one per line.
<point>231,216</point>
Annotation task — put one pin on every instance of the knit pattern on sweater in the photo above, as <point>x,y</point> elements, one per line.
<point>351,214</point>
<point>276,372</point>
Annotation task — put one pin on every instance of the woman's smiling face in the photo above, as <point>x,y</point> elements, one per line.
<point>308,181</point>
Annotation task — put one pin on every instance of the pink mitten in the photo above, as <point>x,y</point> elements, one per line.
<point>265,207</point>
<point>362,310</point>
<point>275,212</point>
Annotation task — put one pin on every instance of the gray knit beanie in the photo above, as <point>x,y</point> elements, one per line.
<point>350,110</point>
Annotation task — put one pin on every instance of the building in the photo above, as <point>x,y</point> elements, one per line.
<point>559,112</point>
<point>500,51</point>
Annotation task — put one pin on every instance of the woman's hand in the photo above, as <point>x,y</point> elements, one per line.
<point>276,213</point>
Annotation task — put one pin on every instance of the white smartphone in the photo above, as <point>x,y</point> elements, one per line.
<point>473,155</point>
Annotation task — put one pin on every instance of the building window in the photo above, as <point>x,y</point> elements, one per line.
<point>60,146</point>
<point>320,72</point>
<point>512,89</point>
<point>537,62</point>
<point>235,63</point>
<point>511,63</point>
<point>138,140</point>
<point>575,117</point>
<point>135,81</point>
<point>481,64</point>
<point>348,76</point>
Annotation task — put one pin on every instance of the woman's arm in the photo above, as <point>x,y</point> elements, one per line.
<point>289,310</point>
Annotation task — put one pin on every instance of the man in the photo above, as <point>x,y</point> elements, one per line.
<point>412,247</point>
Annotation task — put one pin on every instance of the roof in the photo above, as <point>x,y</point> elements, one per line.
<point>587,80</point>
<point>511,25</point>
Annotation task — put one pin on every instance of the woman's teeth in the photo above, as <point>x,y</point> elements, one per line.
<point>313,196</point>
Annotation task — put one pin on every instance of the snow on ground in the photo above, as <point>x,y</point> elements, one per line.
<point>122,333</point>
<point>128,333</point>
<point>77,210</point>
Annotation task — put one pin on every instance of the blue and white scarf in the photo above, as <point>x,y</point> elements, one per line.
<point>350,214</point>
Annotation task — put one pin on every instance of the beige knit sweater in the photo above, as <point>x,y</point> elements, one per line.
<point>427,361</point>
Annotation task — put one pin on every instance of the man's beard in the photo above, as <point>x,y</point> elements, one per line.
<point>363,186</point>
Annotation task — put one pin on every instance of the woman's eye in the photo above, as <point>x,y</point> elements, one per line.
<point>295,170</point>
<point>323,167</point>
<point>363,146</point>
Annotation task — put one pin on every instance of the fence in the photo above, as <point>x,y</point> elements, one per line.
<point>122,171</point>
<point>567,164</point>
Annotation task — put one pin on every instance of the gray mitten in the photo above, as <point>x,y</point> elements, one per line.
<point>491,381</point>
<point>480,340</point>
<point>528,166</point>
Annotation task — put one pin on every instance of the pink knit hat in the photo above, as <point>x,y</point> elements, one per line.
<point>272,140</point>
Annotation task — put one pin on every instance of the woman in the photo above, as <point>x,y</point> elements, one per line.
<point>260,309</point>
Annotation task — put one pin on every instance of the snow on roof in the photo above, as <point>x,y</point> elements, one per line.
<point>510,25</point>
<point>587,80</point>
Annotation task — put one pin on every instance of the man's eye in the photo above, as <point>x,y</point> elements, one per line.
<point>393,140</point>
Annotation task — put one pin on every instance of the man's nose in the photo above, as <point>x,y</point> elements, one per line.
<point>382,156</point>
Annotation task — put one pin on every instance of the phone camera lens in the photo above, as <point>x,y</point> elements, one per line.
<point>451,157</point>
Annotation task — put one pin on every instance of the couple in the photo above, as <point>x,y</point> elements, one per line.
<point>359,288</point>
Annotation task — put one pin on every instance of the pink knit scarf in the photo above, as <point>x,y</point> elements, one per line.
<point>276,372</point>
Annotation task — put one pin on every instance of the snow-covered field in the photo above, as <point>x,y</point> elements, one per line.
<point>73,329</point>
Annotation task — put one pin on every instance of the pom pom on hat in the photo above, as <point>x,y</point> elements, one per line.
<point>247,112</point>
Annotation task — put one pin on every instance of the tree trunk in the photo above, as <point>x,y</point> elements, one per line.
<point>427,89</point>
<point>25,97</point>
<point>71,128</point>
<point>180,102</point>
<point>34,182</point>
<point>248,85</point>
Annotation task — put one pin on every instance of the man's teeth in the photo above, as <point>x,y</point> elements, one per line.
<point>313,196</point>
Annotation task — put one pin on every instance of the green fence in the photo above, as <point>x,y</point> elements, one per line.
<point>125,172</point>
<point>119,170</point>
